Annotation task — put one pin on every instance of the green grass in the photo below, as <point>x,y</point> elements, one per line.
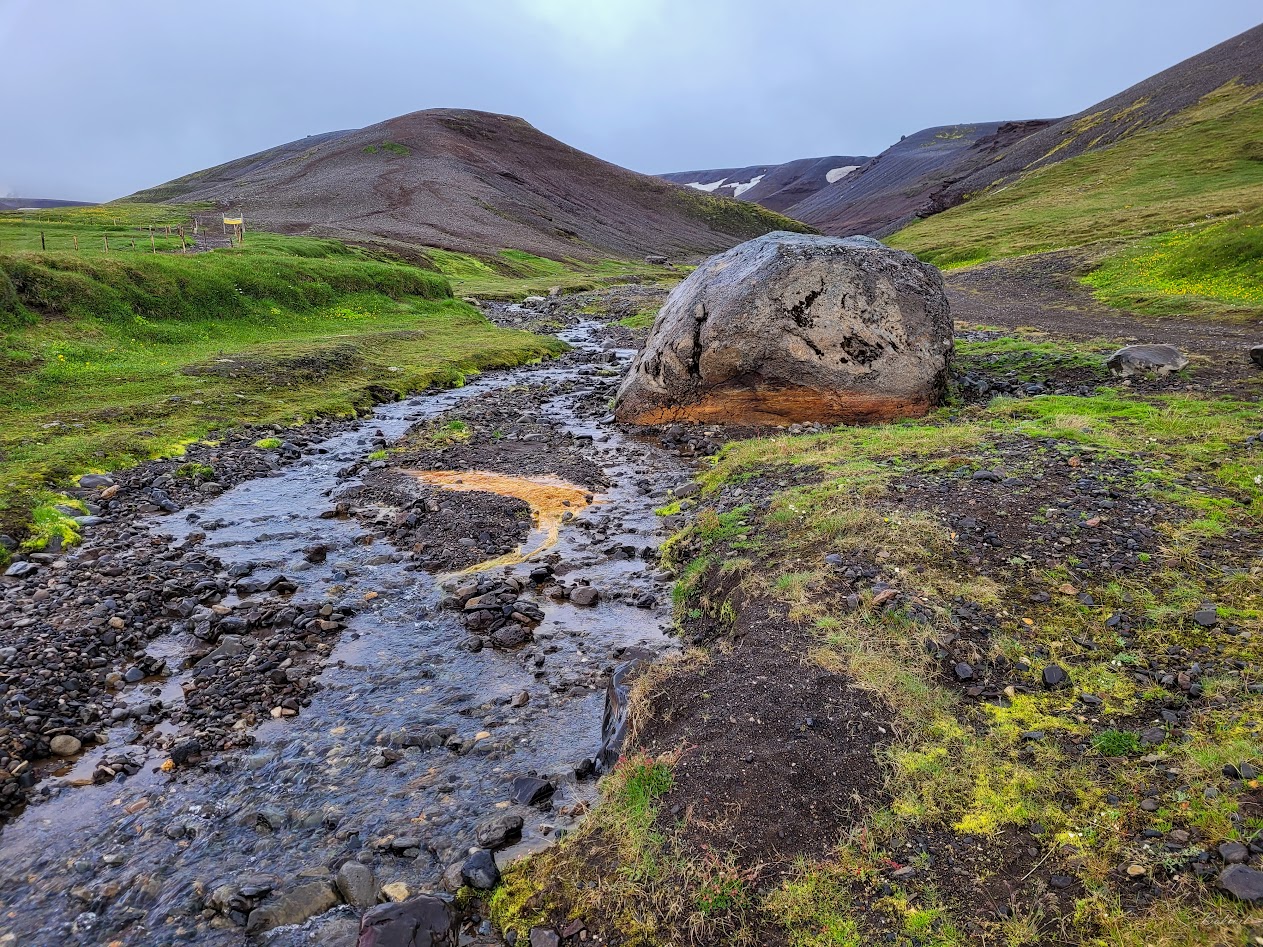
<point>1031,355</point>
<point>121,224</point>
<point>642,319</point>
<point>387,147</point>
<point>962,767</point>
<point>112,359</point>
<point>1115,743</point>
<point>1214,268</point>
<point>1203,162</point>
<point>515,274</point>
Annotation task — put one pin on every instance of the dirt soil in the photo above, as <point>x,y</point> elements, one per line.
<point>1043,292</point>
<point>778,754</point>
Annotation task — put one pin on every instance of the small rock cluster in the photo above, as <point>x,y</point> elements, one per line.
<point>494,612</point>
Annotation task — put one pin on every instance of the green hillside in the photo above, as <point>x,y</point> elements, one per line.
<point>1212,268</point>
<point>114,357</point>
<point>1204,162</point>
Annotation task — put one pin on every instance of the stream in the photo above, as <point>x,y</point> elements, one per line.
<point>132,862</point>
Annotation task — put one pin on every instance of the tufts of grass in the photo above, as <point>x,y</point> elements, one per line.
<point>1116,743</point>
<point>268,443</point>
<point>655,887</point>
<point>640,320</point>
<point>195,471</point>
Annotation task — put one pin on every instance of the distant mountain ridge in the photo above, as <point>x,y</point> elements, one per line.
<point>935,169</point>
<point>775,186</point>
<point>20,203</point>
<point>468,181</point>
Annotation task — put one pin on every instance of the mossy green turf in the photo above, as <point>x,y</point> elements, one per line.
<point>114,358</point>
<point>1214,268</point>
<point>961,767</point>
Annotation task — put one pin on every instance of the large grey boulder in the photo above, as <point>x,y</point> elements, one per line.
<point>788,328</point>
<point>1157,358</point>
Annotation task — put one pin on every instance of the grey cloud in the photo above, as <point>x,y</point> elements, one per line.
<point>106,98</point>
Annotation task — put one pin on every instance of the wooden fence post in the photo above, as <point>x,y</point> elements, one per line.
<point>106,238</point>
<point>75,237</point>
<point>183,248</point>
<point>42,245</point>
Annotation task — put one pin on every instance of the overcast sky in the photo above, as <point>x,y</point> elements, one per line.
<point>102,98</point>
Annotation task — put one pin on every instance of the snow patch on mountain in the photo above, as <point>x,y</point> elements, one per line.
<point>837,174</point>
<point>739,189</point>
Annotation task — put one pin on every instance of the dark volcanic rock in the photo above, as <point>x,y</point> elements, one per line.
<point>480,871</point>
<point>529,790</point>
<point>425,921</point>
<point>789,328</point>
<point>1244,884</point>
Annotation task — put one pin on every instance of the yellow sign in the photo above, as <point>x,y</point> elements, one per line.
<point>233,221</point>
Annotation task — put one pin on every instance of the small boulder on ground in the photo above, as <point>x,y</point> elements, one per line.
<point>788,328</point>
<point>1243,883</point>
<point>1256,355</point>
<point>480,871</point>
<point>499,831</point>
<point>356,884</point>
<point>1159,359</point>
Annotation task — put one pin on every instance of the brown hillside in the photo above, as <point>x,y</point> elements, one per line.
<point>473,182</point>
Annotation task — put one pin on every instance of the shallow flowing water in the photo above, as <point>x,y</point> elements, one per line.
<point>120,863</point>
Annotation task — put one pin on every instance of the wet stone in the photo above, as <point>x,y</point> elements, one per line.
<point>497,832</point>
<point>423,921</point>
<point>480,871</point>
<point>583,595</point>
<point>530,790</point>
<point>356,884</point>
<point>65,745</point>
<point>293,907</point>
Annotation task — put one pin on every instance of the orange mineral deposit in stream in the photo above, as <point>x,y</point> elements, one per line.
<point>550,499</point>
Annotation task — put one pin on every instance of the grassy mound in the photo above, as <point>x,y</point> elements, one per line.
<point>1016,811</point>
<point>1212,268</point>
<point>1204,161</point>
<point>116,357</point>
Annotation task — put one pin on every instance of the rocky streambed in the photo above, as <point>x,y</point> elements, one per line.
<point>264,694</point>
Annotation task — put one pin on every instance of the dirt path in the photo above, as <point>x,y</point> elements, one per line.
<point>1043,292</point>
